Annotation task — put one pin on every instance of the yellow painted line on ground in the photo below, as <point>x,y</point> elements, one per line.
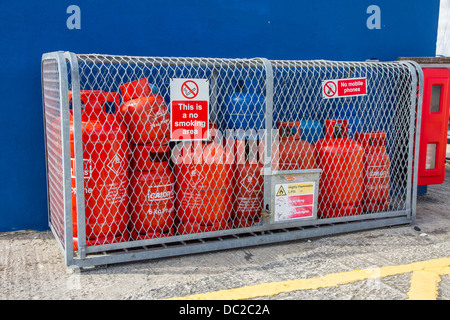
<point>424,285</point>
<point>423,281</point>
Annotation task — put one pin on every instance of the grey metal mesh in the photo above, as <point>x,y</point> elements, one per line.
<point>54,154</point>
<point>386,108</point>
<point>141,189</point>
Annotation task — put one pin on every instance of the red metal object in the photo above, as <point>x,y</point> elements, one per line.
<point>152,211</point>
<point>248,197</point>
<point>434,126</point>
<point>146,114</point>
<point>152,235</point>
<point>377,164</point>
<point>292,153</point>
<point>190,227</point>
<point>341,181</point>
<point>105,164</point>
<point>203,184</point>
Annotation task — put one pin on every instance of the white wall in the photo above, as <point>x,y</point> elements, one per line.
<point>443,38</point>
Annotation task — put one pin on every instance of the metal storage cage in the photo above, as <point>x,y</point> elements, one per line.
<point>229,190</point>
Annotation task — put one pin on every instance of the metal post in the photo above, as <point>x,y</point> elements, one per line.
<point>78,148</point>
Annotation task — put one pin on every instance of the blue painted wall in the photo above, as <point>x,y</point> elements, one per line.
<point>275,29</point>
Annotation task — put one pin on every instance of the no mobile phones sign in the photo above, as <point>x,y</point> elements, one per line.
<point>190,109</point>
<point>338,88</point>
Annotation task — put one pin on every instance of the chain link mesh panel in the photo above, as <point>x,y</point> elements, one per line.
<point>53,140</point>
<point>139,185</point>
<point>361,143</point>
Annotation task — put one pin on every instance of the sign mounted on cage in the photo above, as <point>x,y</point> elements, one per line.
<point>337,88</point>
<point>294,200</point>
<point>190,109</point>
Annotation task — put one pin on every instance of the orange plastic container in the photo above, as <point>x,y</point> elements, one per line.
<point>292,153</point>
<point>248,196</point>
<point>342,164</point>
<point>204,175</point>
<point>105,167</point>
<point>152,211</point>
<point>377,165</point>
<point>145,113</point>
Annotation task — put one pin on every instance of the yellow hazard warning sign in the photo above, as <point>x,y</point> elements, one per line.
<point>301,188</point>
<point>295,200</point>
<point>281,192</point>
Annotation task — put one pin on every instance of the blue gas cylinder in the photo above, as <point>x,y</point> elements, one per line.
<point>245,108</point>
<point>311,130</point>
<point>347,110</point>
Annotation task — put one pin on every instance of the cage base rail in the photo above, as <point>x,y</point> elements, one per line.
<point>233,241</point>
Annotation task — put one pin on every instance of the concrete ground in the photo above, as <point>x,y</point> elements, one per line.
<point>32,266</point>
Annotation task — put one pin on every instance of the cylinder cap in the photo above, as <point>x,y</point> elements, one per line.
<point>373,139</point>
<point>135,89</point>
<point>145,156</point>
<point>289,130</point>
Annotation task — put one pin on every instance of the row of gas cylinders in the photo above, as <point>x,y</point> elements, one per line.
<point>244,109</point>
<point>211,186</point>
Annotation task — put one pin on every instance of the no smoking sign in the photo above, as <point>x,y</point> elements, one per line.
<point>189,89</point>
<point>190,109</point>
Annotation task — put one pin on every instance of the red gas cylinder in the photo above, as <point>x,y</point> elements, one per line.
<point>204,175</point>
<point>248,197</point>
<point>145,113</point>
<point>105,166</point>
<point>377,165</point>
<point>341,181</point>
<point>152,194</point>
<point>292,153</point>
<point>190,227</point>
